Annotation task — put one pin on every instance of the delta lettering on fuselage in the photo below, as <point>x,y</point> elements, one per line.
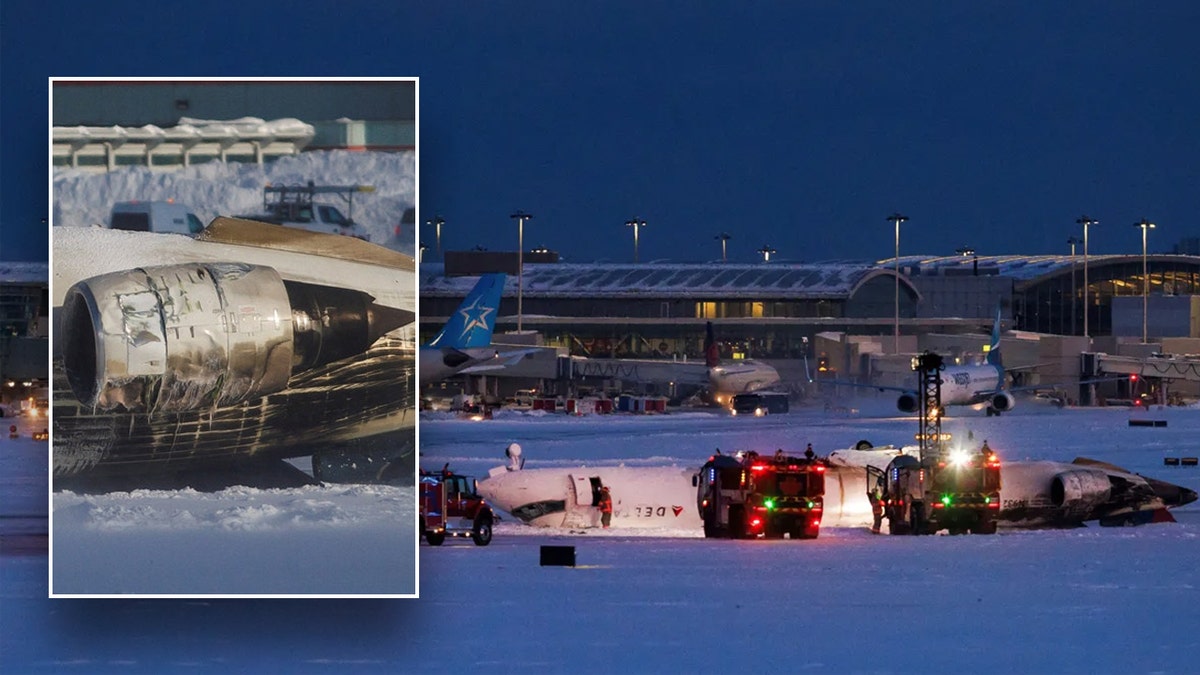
<point>652,511</point>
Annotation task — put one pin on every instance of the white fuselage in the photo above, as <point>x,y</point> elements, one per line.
<point>738,378</point>
<point>968,385</point>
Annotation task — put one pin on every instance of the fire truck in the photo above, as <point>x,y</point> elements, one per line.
<point>754,496</point>
<point>451,506</point>
<point>951,488</point>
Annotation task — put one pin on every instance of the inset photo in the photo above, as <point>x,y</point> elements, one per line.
<point>233,291</point>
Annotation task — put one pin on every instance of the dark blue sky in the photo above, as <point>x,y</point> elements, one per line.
<point>798,125</point>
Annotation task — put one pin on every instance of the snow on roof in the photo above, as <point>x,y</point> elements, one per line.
<point>1024,267</point>
<point>24,273</point>
<point>711,280</point>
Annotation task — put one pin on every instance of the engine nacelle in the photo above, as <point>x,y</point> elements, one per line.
<point>200,335</point>
<point>1003,401</point>
<point>177,337</point>
<point>1080,490</point>
<point>907,403</point>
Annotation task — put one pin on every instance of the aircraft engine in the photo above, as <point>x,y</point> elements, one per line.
<point>196,335</point>
<point>1003,401</point>
<point>1080,490</point>
<point>907,403</point>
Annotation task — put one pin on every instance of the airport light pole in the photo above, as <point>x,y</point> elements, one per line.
<point>437,223</point>
<point>897,218</point>
<point>520,217</point>
<point>766,252</point>
<point>1073,240</point>
<point>1085,222</point>
<point>635,223</point>
<point>1145,225</point>
<point>723,237</point>
<point>421,252</point>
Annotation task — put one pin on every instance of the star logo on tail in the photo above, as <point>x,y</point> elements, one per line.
<point>475,316</point>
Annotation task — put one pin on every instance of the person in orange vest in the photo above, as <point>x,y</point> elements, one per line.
<point>606,507</point>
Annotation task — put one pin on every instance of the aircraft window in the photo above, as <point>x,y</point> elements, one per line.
<point>305,216</point>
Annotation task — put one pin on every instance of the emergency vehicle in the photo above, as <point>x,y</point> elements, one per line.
<point>958,490</point>
<point>952,488</point>
<point>754,496</point>
<point>451,506</point>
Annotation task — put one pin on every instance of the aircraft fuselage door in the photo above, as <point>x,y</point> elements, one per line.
<point>582,487</point>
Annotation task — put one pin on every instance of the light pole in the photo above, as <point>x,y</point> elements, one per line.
<point>421,252</point>
<point>897,218</point>
<point>1073,240</point>
<point>520,217</point>
<point>1087,310</point>
<point>437,223</point>
<point>1145,225</point>
<point>723,237</point>
<point>766,252</point>
<point>635,223</point>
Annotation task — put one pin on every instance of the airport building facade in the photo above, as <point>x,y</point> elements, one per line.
<point>840,317</point>
<point>605,309</point>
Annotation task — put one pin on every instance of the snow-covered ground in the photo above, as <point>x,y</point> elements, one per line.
<point>83,198</point>
<point>1091,600</point>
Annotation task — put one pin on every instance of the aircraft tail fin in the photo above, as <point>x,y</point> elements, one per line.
<point>711,355</point>
<point>993,355</point>
<point>472,323</point>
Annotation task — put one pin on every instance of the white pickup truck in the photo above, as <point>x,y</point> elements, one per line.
<point>293,206</point>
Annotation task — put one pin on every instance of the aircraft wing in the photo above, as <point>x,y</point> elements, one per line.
<point>877,387</point>
<point>499,359</point>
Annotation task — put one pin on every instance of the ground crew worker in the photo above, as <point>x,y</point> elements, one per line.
<point>606,507</point>
<point>876,497</point>
<point>808,452</point>
<point>779,455</point>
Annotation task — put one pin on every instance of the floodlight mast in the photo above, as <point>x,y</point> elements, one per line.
<point>897,218</point>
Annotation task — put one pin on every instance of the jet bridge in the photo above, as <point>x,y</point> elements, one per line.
<point>1162,368</point>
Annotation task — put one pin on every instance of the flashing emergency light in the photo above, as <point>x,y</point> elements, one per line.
<point>946,500</point>
<point>810,503</point>
<point>758,467</point>
<point>959,458</point>
<point>769,503</point>
<point>1133,377</point>
<point>755,523</point>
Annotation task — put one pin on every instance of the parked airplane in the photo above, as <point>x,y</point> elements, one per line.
<point>464,345</point>
<point>966,385</point>
<point>1033,494</point>
<point>246,345</point>
<point>721,381</point>
<point>728,379</point>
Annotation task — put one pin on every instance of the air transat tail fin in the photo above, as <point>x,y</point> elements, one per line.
<point>472,323</point>
<point>993,355</point>
<point>711,355</point>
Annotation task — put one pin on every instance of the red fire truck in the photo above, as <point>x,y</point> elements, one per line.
<point>761,496</point>
<point>451,506</point>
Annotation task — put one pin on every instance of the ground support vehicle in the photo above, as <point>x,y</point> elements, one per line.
<point>754,496</point>
<point>958,491</point>
<point>952,488</point>
<point>294,206</point>
<point>451,506</point>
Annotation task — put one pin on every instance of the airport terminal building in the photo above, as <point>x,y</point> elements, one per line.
<point>845,312</point>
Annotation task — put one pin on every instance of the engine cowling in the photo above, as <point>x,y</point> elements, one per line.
<point>1003,401</point>
<point>1080,490</point>
<point>192,336</point>
<point>907,403</point>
